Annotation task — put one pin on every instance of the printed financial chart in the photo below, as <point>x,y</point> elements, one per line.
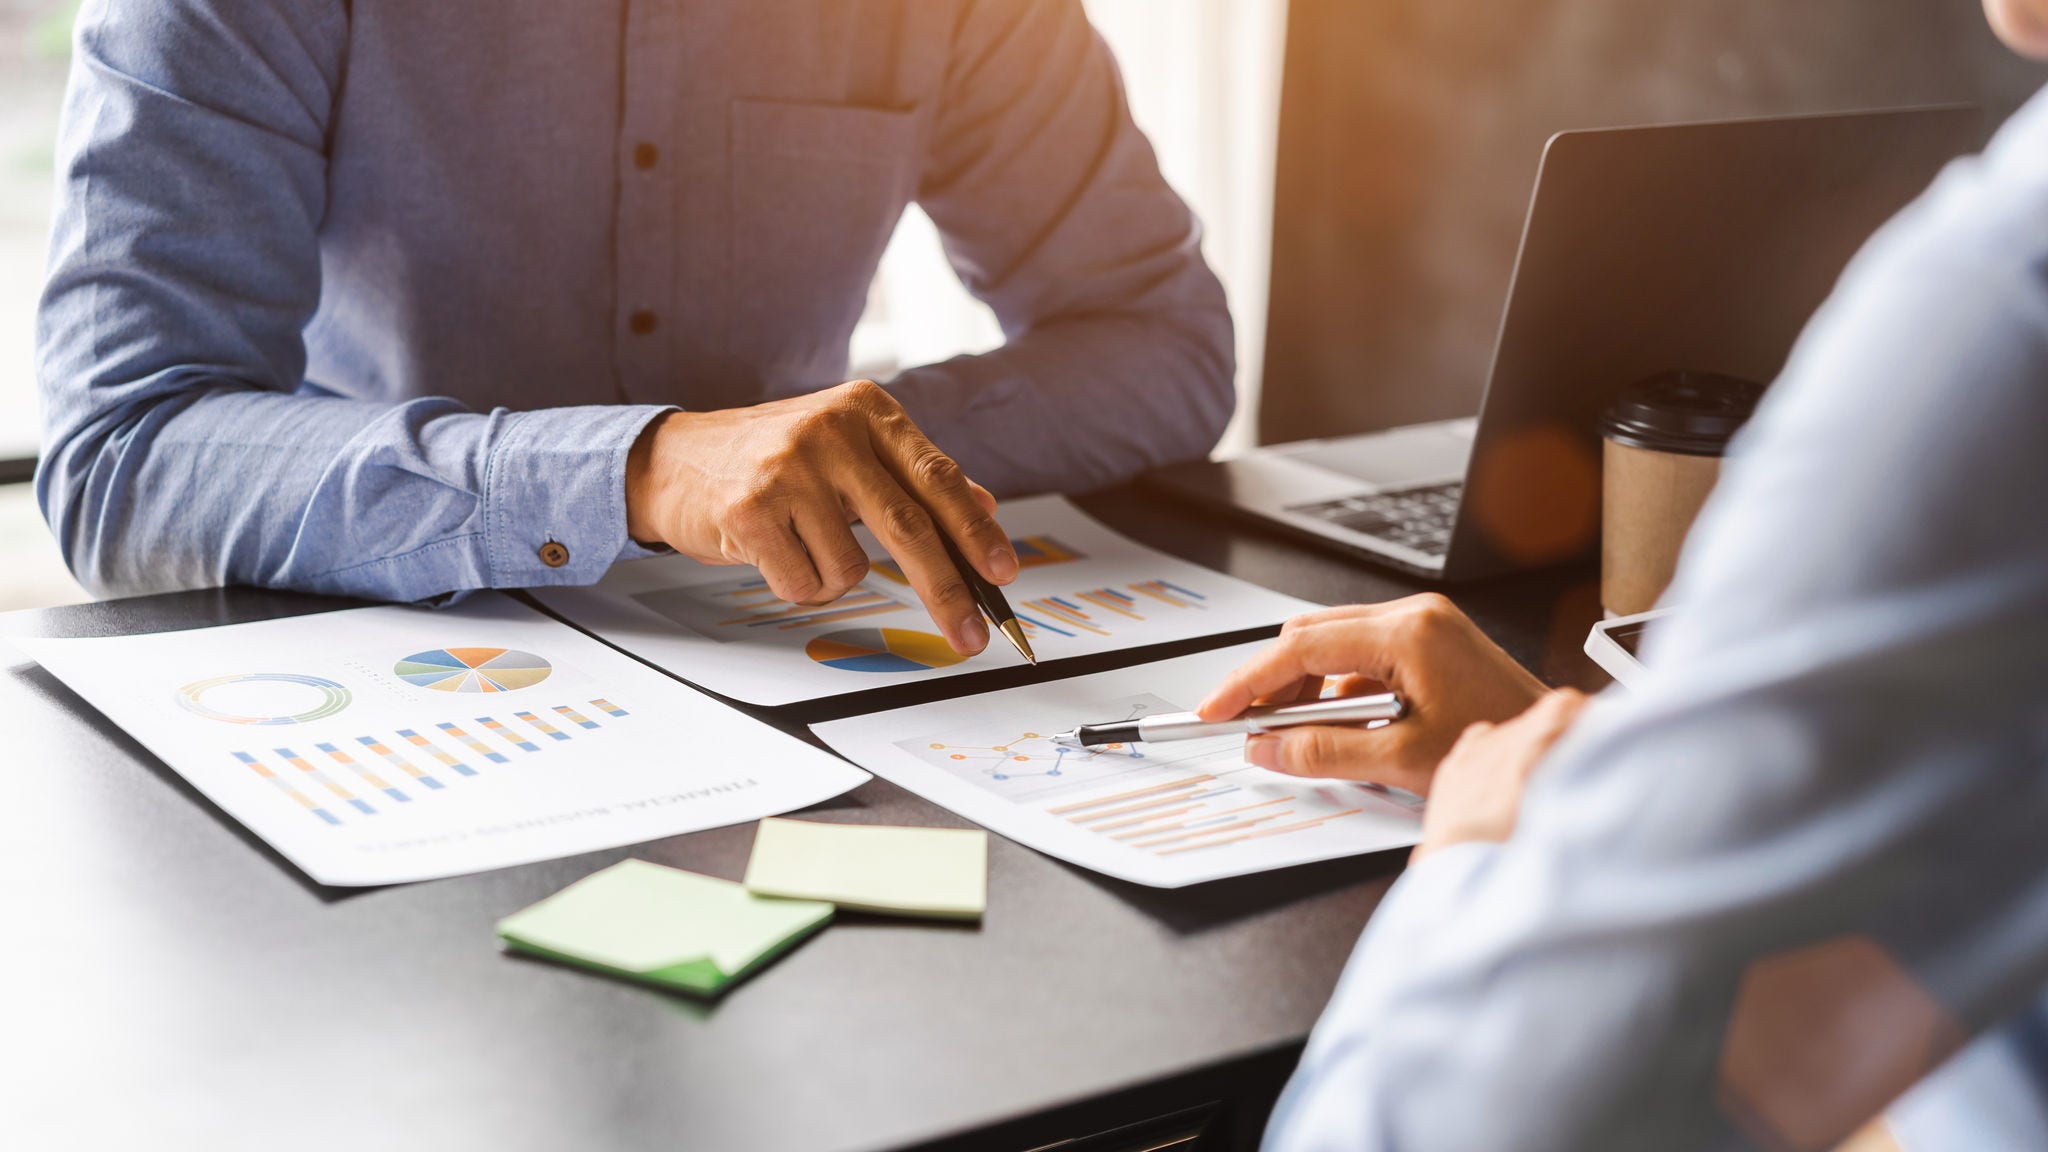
<point>899,638</point>
<point>1172,799</point>
<point>300,742</point>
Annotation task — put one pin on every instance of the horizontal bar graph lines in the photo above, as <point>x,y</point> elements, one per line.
<point>1195,813</point>
<point>1099,611</point>
<point>345,780</point>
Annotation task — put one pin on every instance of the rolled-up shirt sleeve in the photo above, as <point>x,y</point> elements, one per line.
<point>183,446</point>
<point>1053,211</point>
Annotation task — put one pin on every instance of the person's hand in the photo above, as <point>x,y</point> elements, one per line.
<point>1477,794</point>
<point>776,486</point>
<point>1448,675</point>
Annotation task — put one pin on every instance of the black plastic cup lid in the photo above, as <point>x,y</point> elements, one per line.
<point>1691,413</point>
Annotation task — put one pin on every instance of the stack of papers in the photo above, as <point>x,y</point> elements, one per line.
<point>930,872</point>
<point>663,926</point>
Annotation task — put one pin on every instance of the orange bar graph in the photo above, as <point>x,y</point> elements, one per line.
<point>1107,813</point>
<point>1171,786</point>
<point>1108,603</point>
<point>1153,837</point>
<point>1150,818</point>
<point>1066,616</point>
<point>1261,833</point>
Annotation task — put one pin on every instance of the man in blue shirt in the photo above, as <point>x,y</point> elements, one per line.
<point>1758,897</point>
<point>402,299</point>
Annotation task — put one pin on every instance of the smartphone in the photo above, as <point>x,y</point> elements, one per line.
<point>1616,645</point>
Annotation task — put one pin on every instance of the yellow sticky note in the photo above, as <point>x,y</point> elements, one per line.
<point>931,872</point>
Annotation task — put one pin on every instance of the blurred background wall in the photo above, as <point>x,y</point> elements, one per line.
<point>1410,132</point>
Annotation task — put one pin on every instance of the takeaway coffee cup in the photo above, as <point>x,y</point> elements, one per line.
<point>1664,440</point>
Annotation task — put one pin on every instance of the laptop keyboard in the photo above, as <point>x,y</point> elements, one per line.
<point>1418,518</point>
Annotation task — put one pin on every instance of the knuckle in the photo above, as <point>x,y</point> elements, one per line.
<point>808,428</point>
<point>865,396</point>
<point>1316,749</point>
<point>950,592</point>
<point>982,528</point>
<point>852,567</point>
<point>751,513</point>
<point>1430,615</point>
<point>1294,648</point>
<point>1318,617</point>
<point>832,584</point>
<point>904,520</point>
<point>931,468</point>
<point>1434,607</point>
<point>798,586</point>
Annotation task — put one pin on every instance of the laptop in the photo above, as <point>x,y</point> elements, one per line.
<point>1699,247</point>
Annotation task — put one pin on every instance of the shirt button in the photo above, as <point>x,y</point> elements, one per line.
<point>642,322</point>
<point>554,554</point>
<point>646,156</point>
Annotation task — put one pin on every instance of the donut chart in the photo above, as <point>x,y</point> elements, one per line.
<point>284,697</point>
<point>473,669</point>
<point>882,650</point>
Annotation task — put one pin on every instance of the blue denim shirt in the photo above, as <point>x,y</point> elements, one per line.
<point>373,297</point>
<point>1840,754</point>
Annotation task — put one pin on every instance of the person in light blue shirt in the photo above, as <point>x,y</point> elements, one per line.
<point>401,299</point>
<point>1766,894</point>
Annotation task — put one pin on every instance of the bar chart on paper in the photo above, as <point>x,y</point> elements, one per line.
<point>1080,590</point>
<point>381,745</point>
<point>1101,611</point>
<point>1163,814</point>
<point>355,777</point>
<point>1165,799</point>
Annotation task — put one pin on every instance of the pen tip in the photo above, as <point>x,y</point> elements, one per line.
<point>1015,632</point>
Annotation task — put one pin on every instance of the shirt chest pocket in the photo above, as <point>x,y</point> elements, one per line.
<point>817,190</point>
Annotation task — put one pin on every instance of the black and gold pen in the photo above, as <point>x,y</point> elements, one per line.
<point>989,599</point>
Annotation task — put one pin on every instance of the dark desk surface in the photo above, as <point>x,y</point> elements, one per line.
<point>172,983</point>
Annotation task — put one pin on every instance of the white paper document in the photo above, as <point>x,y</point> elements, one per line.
<point>379,745</point>
<point>1082,589</point>
<point>1166,815</point>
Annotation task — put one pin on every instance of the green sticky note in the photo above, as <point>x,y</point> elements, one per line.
<point>664,926</point>
<point>936,872</point>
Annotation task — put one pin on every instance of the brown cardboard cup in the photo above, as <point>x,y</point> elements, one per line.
<point>1664,441</point>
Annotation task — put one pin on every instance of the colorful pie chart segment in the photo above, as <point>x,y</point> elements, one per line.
<point>882,650</point>
<point>473,669</point>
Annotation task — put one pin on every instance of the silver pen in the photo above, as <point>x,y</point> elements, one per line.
<point>1188,726</point>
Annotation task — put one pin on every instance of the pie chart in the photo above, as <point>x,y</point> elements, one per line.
<point>882,650</point>
<point>473,669</point>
